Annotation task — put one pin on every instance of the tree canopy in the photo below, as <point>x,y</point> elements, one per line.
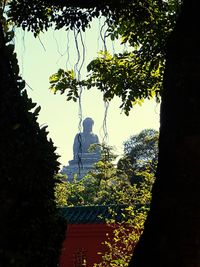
<point>140,154</point>
<point>142,149</point>
<point>133,75</point>
<point>109,183</point>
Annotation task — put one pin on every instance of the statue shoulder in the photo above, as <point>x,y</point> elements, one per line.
<point>96,137</point>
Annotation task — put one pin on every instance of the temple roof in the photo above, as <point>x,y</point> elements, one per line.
<point>92,214</point>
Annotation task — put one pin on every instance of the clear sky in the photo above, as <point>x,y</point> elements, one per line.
<point>40,58</point>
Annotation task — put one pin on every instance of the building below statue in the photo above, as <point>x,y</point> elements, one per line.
<point>83,159</point>
<point>80,166</point>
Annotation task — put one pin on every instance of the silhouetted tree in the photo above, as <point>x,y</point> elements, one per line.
<point>31,229</point>
<point>171,236</point>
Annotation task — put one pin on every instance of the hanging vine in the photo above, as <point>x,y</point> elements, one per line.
<point>143,25</point>
<point>136,73</point>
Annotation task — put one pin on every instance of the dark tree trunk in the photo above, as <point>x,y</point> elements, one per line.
<point>172,232</point>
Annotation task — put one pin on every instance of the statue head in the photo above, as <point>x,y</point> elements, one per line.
<point>87,125</point>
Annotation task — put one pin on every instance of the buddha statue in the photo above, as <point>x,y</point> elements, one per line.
<point>83,158</point>
<point>83,140</point>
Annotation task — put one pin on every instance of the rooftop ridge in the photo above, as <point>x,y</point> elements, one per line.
<point>92,214</point>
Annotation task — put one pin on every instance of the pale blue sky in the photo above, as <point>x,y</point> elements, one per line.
<point>38,59</point>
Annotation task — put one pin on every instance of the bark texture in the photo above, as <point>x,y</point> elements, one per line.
<point>172,232</point>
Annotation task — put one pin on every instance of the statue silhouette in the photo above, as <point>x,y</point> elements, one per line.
<point>83,140</point>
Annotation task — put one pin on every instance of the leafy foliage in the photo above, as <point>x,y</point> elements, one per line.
<point>108,185</point>
<point>143,25</point>
<point>137,74</point>
<point>40,15</point>
<point>140,154</point>
<point>104,185</point>
<point>140,150</point>
<point>63,80</point>
<point>31,229</point>
<point>37,15</point>
<point>119,246</point>
<point>60,190</point>
<point>124,75</point>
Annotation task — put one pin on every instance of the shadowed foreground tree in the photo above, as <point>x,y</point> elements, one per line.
<point>31,230</point>
<point>172,234</point>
